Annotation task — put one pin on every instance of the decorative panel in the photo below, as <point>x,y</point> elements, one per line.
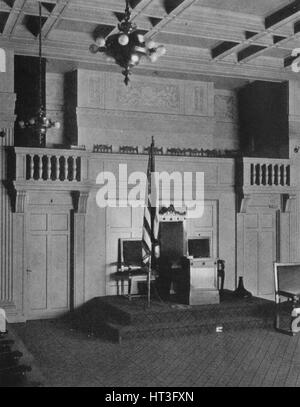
<point>199,99</point>
<point>251,259</point>
<point>148,97</point>
<point>59,222</point>
<point>267,220</point>
<point>38,222</point>
<point>39,273</point>
<point>91,89</point>
<point>59,276</point>
<point>251,221</point>
<point>266,259</point>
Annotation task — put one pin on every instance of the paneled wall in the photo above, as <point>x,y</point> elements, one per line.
<point>178,113</point>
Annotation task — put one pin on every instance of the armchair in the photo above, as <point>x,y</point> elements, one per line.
<point>287,285</point>
<point>130,266</point>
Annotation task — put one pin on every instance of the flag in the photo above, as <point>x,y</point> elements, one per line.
<point>151,220</point>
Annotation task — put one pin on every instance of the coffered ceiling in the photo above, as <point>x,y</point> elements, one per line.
<point>242,39</point>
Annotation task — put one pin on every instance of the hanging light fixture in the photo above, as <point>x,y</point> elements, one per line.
<point>40,123</point>
<point>128,46</point>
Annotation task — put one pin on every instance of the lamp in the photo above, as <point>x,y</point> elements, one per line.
<point>128,46</point>
<point>39,123</point>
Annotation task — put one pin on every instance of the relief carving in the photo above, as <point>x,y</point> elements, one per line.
<point>157,96</point>
<point>200,100</point>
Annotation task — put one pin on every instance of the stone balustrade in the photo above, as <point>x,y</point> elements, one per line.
<point>266,173</point>
<point>34,164</point>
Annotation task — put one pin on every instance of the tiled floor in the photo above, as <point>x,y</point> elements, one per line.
<point>67,357</point>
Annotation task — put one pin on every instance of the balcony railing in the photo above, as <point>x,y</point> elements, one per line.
<point>264,172</point>
<point>34,164</point>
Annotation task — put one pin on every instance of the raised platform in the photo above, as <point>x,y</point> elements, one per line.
<point>118,318</point>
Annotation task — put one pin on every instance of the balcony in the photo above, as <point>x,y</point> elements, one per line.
<point>68,169</point>
<point>52,168</point>
<point>267,175</point>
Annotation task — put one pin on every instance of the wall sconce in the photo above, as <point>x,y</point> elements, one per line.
<point>2,133</point>
<point>297,149</point>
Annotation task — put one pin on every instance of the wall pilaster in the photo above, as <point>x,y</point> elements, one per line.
<point>7,118</point>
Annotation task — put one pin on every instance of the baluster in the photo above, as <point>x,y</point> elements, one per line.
<point>257,172</point>
<point>40,167</point>
<point>74,168</point>
<point>261,174</point>
<point>274,174</point>
<point>287,175</point>
<point>252,174</point>
<point>48,167</point>
<point>57,170</point>
<point>31,166</point>
<point>281,175</point>
<point>66,169</point>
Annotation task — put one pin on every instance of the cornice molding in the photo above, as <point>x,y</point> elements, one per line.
<point>85,115</point>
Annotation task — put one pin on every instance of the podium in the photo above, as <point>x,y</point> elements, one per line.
<point>201,285</point>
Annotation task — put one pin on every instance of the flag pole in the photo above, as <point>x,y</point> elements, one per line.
<point>149,283</point>
<point>151,254</point>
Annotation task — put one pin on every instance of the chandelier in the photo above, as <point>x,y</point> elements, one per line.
<point>128,46</point>
<point>40,123</point>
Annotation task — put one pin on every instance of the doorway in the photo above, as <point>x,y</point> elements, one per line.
<point>48,265</point>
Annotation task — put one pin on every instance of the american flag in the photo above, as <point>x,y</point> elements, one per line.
<point>151,220</point>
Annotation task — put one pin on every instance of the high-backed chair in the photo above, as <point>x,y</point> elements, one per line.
<point>287,285</point>
<point>130,266</point>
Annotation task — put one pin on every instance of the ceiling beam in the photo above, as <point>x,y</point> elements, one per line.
<point>283,15</point>
<point>272,22</point>
<point>278,41</point>
<point>14,17</point>
<point>248,52</point>
<point>185,4</point>
<point>54,17</point>
<point>168,64</point>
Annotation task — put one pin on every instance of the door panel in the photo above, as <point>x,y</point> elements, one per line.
<point>48,265</point>
<point>38,272</point>
<point>266,258</point>
<point>58,277</point>
<point>259,251</point>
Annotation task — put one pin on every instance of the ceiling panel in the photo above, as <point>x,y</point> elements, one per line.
<point>200,35</point>
<point>255,7</point>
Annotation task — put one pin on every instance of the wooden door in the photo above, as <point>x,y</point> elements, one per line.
<point>48,274</point>
<point>259,248</point>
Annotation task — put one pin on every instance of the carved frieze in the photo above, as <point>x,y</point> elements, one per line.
<point>157,97</point>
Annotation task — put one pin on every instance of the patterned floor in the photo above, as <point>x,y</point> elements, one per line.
<point>67,357</point>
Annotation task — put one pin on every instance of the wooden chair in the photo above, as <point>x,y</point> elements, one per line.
<point>287,285</point>
<point>130,267</point>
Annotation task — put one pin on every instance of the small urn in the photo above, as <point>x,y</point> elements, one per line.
<point>241,291</point>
